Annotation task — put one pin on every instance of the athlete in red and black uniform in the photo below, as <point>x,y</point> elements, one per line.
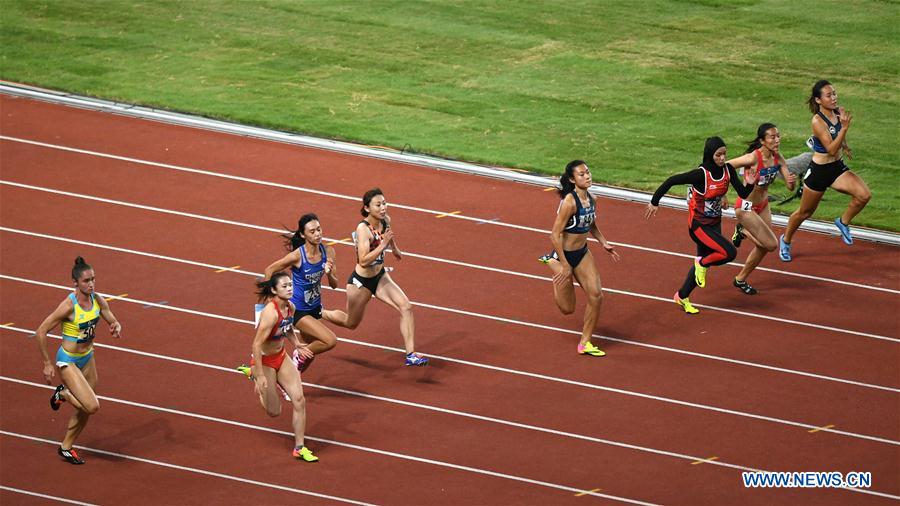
<point>709,183</point>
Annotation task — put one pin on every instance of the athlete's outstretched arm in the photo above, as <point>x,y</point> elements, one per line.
<point>283,263</point>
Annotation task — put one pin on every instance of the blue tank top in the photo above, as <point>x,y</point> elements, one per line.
<point>308,281</point>
<point>832,129</point>
<point>583,219</point>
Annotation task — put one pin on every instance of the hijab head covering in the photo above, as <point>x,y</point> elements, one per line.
<point>712,145</point>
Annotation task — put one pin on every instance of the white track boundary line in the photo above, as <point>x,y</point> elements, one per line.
<point>173,466</point>
<point>45,496</point>
<point>435,259</point>
<point>352,446</point>
<point>499,369</point>
<point>472,314</point>
<point>409,208</point>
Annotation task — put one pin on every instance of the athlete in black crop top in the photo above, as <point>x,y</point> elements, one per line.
<point>827,168</point>
<point>709,183</point>
<point>575,220</point>
<point>372,237</point>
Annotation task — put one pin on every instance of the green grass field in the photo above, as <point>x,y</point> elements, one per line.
<point>632,87</point>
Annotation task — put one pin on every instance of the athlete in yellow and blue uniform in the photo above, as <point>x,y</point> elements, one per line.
<point>78,315</point>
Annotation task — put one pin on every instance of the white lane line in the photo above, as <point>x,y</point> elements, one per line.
<point>235,423</point>
<point>478,221</point>
<point>44,496</point>
<point>442,260</point>
<point>507,370</point>
<point>175,466</point>
<point>475,315</point>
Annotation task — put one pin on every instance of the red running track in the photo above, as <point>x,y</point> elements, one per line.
<point>507,413</point>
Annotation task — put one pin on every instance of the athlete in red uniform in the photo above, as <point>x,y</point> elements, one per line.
<point>709,183</point>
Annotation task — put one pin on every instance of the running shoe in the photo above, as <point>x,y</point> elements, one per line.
<point>245,370</point>
<point>302,363</point>
<point>303,453</point>
<point>845,231</point>
<point>700,273</point>
<point>784,249</point>
<point>744,286</point>
<point>416,359</point>
<point>57,399</point>
<point>70,456</point>
<point>588,348</point>
<point>685,304</point>
<point>545,259</point>
<point>738,235</point>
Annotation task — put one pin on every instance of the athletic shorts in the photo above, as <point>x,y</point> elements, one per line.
<point>273,361</point>
<point>746,205</point>
<point>820,177</point>
<point>370,284</point>
<point>65,358</point>
<point>315,312</point>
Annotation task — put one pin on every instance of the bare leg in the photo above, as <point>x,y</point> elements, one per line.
<point>357,299</point>
<point>319,337</point>
<point>270,399</point>
<point>564,296</point>
<point>289,379</point>
<point>392,295</point>
<point>589,279</point>
<point>80,392</point>
<point>808,204</point>
<point>759,229</point>
<point>851,184</point>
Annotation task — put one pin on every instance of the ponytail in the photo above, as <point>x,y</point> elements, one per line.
<point>760,135</point>
<point>79,267</point>
<point>367,199</point>
<point>295,238</point>
<point>266,289</point>
<point>566,186</point>
<point>816,93</point>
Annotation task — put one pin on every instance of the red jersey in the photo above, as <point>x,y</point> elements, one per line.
<point>706,207</point>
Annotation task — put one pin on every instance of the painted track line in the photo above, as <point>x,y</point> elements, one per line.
<point>243,425</point>
<point>554,379</point>
<point>436,259</point>
<point>473,314</point>
<point>174,466</point>
<point>458,215</point>
<point>45,496</point>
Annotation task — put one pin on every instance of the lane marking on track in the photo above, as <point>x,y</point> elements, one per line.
<point>550,189</point>
<point>483,222</point>
<point>227,269</point>
<point>704,461</point>
<point>484,316</point>
<point>10,324</point>
<point>444,215</point>
<point>479,221</point>
<point>377,451</point>
<point>184,468</point>
<point>586,492</point>
<point>345,240</point>
<point>667,300</point>
<point>150,305</point>
<point>819,429</point>
<point>114,297</point>
<point>509,371</point>
<point>45,496</point>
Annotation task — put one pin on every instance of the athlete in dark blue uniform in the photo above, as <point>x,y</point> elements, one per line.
<point>575,219</point>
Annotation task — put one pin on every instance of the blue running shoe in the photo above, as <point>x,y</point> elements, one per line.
<point>416,359</point>
<point>784,249</point>
<point>845,231</point>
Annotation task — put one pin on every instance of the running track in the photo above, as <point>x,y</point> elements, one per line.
<point>802,377</point>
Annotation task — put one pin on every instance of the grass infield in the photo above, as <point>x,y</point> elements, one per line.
<point>632,87</point>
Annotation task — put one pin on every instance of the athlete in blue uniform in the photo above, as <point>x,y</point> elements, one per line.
<point>309,261</point>
<point>575,219</point>
<point>830,124</point>
<point>78,313</point>
<point>372,237</point>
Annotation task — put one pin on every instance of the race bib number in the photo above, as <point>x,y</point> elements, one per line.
<point>746,205</point>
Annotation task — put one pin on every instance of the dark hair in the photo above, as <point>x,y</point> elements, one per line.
<point>296,239</point>
<point>367,198</point>
<point>266,289</point>
<point>816,93</point>
<point>709,149</point>
<point>760,135</point>
<point>79,267</point>
<point>565,185</point>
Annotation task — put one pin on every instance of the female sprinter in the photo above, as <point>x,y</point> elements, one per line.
<point>373,235</point>
<point>275,323</point>
<point>571,256</point>
<point>78,313</point>
<point>761,163</point>
<point>709,184</point>
<point>309,260</point>
<point>830,124</point>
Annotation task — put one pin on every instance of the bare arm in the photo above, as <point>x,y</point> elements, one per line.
<point>565,213</point>
<point>267,321</point>
<point>330,271</point>
<point>279,265</point>
<point>595,231</point>
<point>745,160</point>
<point>364,254</point>
<point>58,315</point>
<point>789,178</point>
<point>820,130</point>
<point>393,245</point>
<point>115,328</point>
